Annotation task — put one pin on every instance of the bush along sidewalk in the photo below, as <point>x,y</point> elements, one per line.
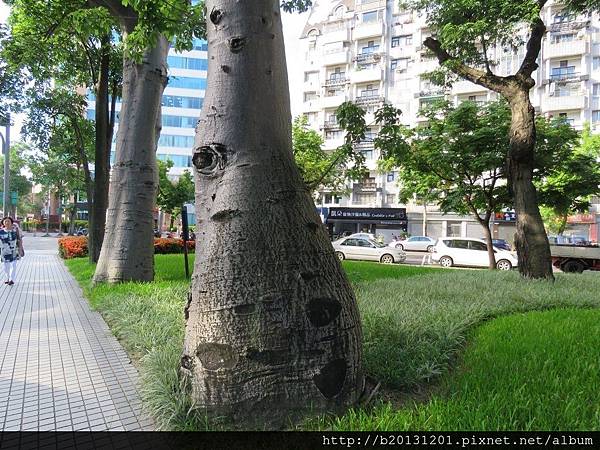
<point>76,246</point>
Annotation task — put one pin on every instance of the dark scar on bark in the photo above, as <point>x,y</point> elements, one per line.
<point>268,357</point>
<point>216,16</point>
<point>225,215</point>
<point>322,311</point>
<point>330,381</point>
<point>187,362</point>
<point>225,68</point>
<point>215,356</point>
<point>236,44</point>
<point>213,197</point>
<point>210,158</point>
<point>308,276</point>
<point>186,310</point>
<point>244,310</point>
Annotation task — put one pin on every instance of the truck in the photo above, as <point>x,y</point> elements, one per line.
<point>575,258</point>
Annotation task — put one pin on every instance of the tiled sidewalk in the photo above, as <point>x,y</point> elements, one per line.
<point>60,367</point>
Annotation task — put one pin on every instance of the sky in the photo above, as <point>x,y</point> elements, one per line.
<point>292,27</point>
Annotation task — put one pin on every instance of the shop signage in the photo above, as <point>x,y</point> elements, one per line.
<point>506,216</point>
<point>367,214</point>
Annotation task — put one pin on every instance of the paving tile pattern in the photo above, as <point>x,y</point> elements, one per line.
<point>60,367</point>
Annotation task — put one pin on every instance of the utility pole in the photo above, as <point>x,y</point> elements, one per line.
<point>7,168</point>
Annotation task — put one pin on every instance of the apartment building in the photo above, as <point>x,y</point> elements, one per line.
<point>370,52</point>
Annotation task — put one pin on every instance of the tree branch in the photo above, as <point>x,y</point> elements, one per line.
<point>488,80</point>
<point>534,45</point>
<point>126,15</point>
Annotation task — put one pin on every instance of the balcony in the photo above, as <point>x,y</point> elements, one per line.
<point>368,29</point>
<point>331,125</point>
<point>368,58</point>
<point>431,92</point>
<point>564,76</point>
<point>335,57</point>
<point>563,49</point>
<point>364,187</point>
<point>563,103</point>
<point>335,32</point>
<point>365,75</point>
<point>333,101</point>
<point>336,81</point>
<point>367,100</point>
<point>568,26</point>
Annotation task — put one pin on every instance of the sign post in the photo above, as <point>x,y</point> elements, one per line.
<point>186,237</point>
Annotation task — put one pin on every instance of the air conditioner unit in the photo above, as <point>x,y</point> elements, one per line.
<point>401,70</point>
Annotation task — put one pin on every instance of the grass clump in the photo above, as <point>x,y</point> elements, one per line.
<point>531,371</point>
<point>416,322</point>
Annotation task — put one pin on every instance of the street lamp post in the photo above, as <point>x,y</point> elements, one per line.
<point>6,152</point>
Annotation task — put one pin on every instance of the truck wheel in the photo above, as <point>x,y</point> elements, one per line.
<point>572,267</point>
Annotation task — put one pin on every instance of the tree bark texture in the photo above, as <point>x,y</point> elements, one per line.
<point>128,252</point>
<point>272,325</point>
<point>532,244</point>
<point>99,202</point>
<point>489,244</point>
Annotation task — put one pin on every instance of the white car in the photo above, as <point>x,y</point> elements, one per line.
<point>368,250</point>
<point>415,243</point>
<point>470,252</point>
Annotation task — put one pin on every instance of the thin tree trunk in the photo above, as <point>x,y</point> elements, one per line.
<point>424,219</point>
<point>99,202</point>
<point>488,241</point>
<point>128,251</point>
<point>531,240</point>
<point>563,224</point>
<point>72,220</point>
<point>172,222</point>
<point>272,325</point>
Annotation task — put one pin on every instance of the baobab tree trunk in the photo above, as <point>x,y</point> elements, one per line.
<point>532,244</point>
<point>128,251</point>
<point>99,202</point>
<point>272,326</point>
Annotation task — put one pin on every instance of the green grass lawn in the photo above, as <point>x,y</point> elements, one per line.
<point>417,322</point>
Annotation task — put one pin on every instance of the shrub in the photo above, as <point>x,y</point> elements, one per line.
<point>73,247</point>
<point>76,246</point>
<point>164,246</point>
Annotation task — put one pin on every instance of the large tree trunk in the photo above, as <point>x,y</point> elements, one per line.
<point>128,251</point>
<point>530,239</point>
<point>99,202</point>
<point>272,325</point>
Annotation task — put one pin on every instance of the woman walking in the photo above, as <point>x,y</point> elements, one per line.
<point>11,248</point>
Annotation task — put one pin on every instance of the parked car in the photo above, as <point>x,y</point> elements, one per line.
<point>415,243</point>
<point>500,243</point>
<point>470,252</point>
<point>367,250</point>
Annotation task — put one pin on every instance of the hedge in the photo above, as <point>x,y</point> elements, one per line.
<point>76,246</point>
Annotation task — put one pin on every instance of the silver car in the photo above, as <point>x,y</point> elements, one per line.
<point>415,243</point>
<point>367,250</point>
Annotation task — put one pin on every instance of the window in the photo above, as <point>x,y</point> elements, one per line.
<point>308,96</point>
<point>200,44</point>
<point>371,47</point>
<point>180,62</point>
<point>400,64</point>
<point>369,91</point>
<point>390,176</point>
<point>402,41</point>
<point>596,89</point>
<point>474,245</point>
<point>187,82</point>
<point>368,154</point>
<point>311,77</point>
<point>564,71</point>
<point>453,230</point>
<point>364,198</point>
<point>370,16</point>
<point>351,242</point>
<point>337,75</point>
<point>562,17</point>
<point>596,62</point>
<point>170,140</point>
<point>459,244</point>
<point>179,121</point>
<point>596,116</point>
<point>390,199</point>
<point>182,102</point>
<point>335,134</point>
<point>565,118</point>
<point>558,38</point>
<point>178,160</point>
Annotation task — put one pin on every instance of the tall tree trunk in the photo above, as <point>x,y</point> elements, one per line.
<point>128,251</point>
<point>72,220</point>
<point>99,201</point>
<point>532,244</point>
<point>272,325</point>
<point>424,219</point>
